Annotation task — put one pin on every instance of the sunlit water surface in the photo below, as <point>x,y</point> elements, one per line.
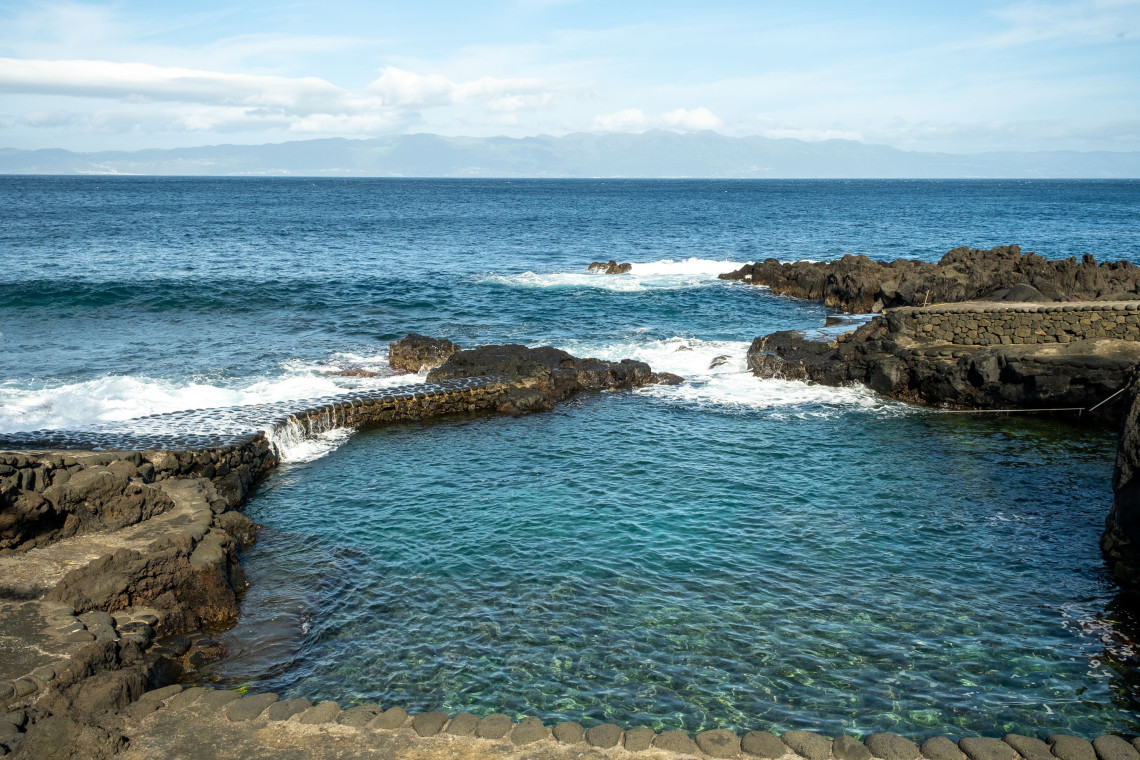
<point>728,552</point>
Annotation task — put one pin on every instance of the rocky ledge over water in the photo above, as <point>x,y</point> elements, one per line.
<point>547,375</point>
<point>858,284</point>
<point>884,355</point>
<point>415,352</point>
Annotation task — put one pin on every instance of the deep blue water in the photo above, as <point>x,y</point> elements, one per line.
<point>730,552</point>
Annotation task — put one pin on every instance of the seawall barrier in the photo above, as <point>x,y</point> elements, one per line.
<point>982,324</point>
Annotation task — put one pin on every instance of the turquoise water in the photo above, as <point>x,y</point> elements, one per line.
<point>729,552</point>
<point>631,559</point>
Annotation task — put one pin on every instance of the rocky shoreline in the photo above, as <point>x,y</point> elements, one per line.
<point>114,630</point>
<point>861,285</point>
<point>110,557</point>
<point>988,356</point>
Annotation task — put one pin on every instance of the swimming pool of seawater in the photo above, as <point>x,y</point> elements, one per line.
<point>727,552</point>
<point>832,561</point>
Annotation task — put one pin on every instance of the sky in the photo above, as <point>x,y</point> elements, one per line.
<point>961,77</point>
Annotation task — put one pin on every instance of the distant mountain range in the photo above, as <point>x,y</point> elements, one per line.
<point>651,155</point>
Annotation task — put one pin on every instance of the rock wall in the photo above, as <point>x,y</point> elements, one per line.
<point>980,324</point>
<point>1076,375</point>
<point>1121,539</point>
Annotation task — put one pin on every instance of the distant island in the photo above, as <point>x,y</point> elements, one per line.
<point>654,154</point>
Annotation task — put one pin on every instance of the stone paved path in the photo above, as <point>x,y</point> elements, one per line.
<point>203,730</point>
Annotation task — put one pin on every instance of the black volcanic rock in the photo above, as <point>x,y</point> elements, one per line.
<point>1023,292</point>
<point>1079,374</point>
<point>1121,539</point>
<point>862,285</point>
<point>610,267</point>
<point>546,375</point>
<point>548,366</point>
<point>416,352</point>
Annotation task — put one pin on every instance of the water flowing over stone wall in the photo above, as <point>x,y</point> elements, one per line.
<point>47,494</point>
<point>991,325</point>
<point>222,468</point>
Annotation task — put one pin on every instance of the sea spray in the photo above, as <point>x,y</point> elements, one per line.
<point>716,374</point>
<point>112,401</point>
<point>664,274</point>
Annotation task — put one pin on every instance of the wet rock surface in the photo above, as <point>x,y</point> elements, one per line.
<point>544,375</point>
<point>610,267</point>
<point>861,285</point>
<point>1120,542</point>
<point>415,352</point>
<point>1071,375</point>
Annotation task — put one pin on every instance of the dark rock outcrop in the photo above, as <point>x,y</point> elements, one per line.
<point>861,285</point>
<point>416,352</point>
<point>76,717</point>
<point>610,267</point>
<point>33,513</point>
<point>1080,374</point>
<point>1121,539</point>
<point>190,580</point>
<point>545,375</point>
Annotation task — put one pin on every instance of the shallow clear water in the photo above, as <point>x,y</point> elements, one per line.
<point>634,559</point>
<point>728,552</point>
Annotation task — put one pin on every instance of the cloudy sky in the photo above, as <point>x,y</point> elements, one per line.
<point>958,76</point>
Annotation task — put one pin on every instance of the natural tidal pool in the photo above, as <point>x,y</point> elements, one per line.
<point>727,552</point>
<point>835,562</point>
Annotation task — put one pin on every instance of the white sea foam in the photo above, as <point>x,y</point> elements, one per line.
<point>663,274</point>
<point>297,449</point>
<point>97,403</point>
<point>730,384</point>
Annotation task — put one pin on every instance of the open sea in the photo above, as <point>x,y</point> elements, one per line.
<point>729,553</point>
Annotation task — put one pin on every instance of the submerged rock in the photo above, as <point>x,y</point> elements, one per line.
<point>610,267</point>
<point>860,284</point>
<point>415,352</point>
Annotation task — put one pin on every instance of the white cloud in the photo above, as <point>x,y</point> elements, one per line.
<point>135,82</point>
<point>366,123</point>
<point>694,120</point>
<point>225,102</point>
<point>625,120</point>
<point>397,87</point>
<point>49,118</point>
<point>636,120</point>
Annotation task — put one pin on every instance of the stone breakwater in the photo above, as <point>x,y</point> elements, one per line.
<point>1022,324</point>
<point>129,539</point>
<point>980,356</point>
<point>858,284</point>
<point>181,722</point>
<point>94,612</point>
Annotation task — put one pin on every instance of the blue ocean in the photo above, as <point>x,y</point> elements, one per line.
<point>729,552</point>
